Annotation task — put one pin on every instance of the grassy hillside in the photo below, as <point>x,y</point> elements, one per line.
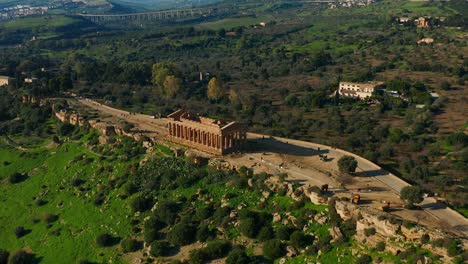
<point>71,235</point>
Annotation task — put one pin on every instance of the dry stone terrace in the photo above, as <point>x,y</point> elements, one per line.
<point>210,135</point>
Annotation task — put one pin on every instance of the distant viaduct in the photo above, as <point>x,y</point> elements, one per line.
<point>155,15</point>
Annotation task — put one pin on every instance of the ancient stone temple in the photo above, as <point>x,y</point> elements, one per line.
<point>206,134</point>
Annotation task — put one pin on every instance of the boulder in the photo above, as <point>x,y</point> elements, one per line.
<point>346,210</point>
<point>291,251</point>
<point>316,199</point>
<point>336,234</point>
<point>321,219</point>
<point>276,218</point>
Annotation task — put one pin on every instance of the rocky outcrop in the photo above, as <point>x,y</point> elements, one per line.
<point>336,234</point>
<point>346,210</point>
<point>384,226</point>
<point>394,233</point>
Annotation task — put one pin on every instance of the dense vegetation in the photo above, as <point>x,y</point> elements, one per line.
<point>278,79</point>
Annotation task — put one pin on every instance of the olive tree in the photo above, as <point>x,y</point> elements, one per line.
<point>411,195</point>
<point>347,164</point>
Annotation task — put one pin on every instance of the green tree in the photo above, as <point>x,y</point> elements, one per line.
<point>298,239</point>
<point>215,91</point>
<point>172,86</point>
<point>411,195</point>
<point>161,70</point>
<point>104,240</point>
<point>364,259</point>
<point>347,164</point>
<point>182,234</point>
<point>130,245</point>
<point>203,233</point>
<point>160,248</point>
<point>273,249</point>
<point>265,233</point>
<point>237,256</point>
<point>248,227</point>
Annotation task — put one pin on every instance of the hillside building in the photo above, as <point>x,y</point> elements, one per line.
<point>210,135</point>
<point>358,90</point>
<point>423,22</point>
<point>5,80</point>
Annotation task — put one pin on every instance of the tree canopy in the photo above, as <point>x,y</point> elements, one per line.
<point>347,164</point>
<point>215,91</point>
<point>411,195</point>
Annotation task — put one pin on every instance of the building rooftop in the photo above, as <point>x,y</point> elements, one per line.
<point>189,117</point>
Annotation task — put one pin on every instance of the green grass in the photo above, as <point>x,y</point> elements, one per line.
<point>79,220</point>
<point>40,22</point>
<point>229,23</point>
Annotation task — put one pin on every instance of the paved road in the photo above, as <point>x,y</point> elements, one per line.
<point>431,206</point>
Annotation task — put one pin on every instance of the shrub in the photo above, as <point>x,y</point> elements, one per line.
<point>20,231</point>
<point>197,257</point>
<point>411,194</point>
<point>283,233</point>
<point>20,257</point>
<point>203,213</point>
<point>299,240</point>
<point>104,240</point>
<point>141,203</point>
<point>273,249</point>
<point>266,233</point>
<point>347,164</point>
<point>150,235</point>
<point>130,188</point>
<point>203,233</point>
<point>39,202</point>
<point>160,248</point>
<point>77,182</point>
<point>49,218</point>
<point>16,178</point>
<point>167,211</point>
<point>380,246</point>
<point>130,245</point>
<point>217,249</point>
<point>4,256</point>
<point>364,259</point>
<point>248,227</point>
<point>453,249</point>
<point>425,239</point>
<point>369,231</point>
<point>154,223</point>
<point>238,256</point>
<point>182,234</point>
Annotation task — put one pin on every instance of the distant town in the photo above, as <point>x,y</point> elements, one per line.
<point>76,6</point>
<point>23,10</point>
